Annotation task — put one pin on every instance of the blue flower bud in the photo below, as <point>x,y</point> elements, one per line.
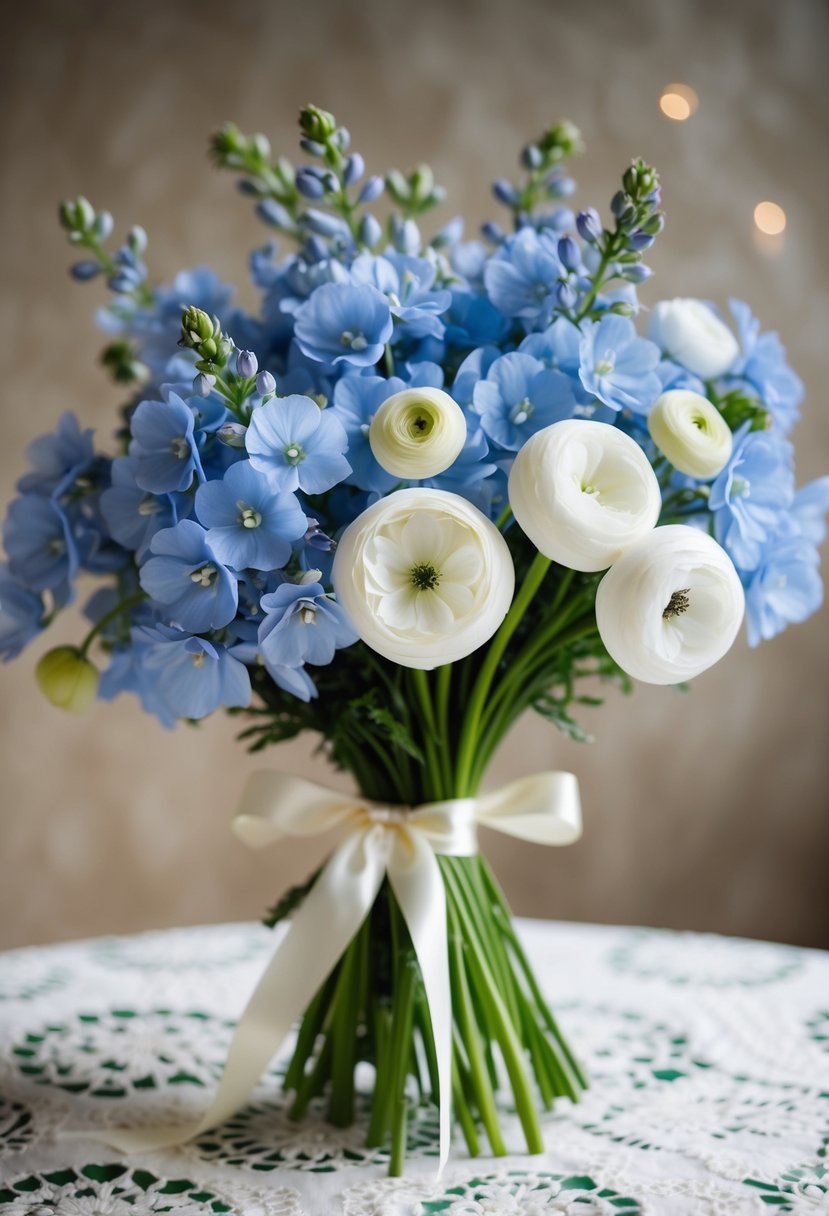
<point>123,282</point>
<point>247,364</point>
<point>619,203</point>
<point>532,157</point>
<point>566,295</point>
<point>406,236</point>
<point>589,225</point>
<point>232,434</point>
<point>84,271</point>
<point>371,191</point>
<point>309,184</point>
<point>324,224</point>
<point>203,384</point>
<point>104,223</point>
<point>370,231</point>
<point>569,253</point>
<point>272,212</point>
<point>353,169</point>
<point>265,384</point>
<point>505,192</point>
<point>493,232</point>
<point>640,240</point>
<point>312,147</point>
<point>561,187</point>
<point>315,250</point>
<point>137,240</point>
<point>636,274</point>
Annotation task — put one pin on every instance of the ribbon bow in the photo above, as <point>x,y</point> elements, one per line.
<point>381,841</point>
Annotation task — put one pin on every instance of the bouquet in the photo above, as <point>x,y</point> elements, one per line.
<point>434,482</point>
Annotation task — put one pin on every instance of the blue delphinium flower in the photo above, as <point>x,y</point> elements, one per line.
<point>619,367</point>
<point>39,544</point>
<point>191,675</point>
<point>811,502</point>
<point>21,615</point>
<point>58,457</point>
<point>522,277</point>
<point>184,575</point>
<point>297,445</point>
<point>473,320</point>
<point>356,401</point>
<point>751,495</point>
<point>302,625</point>
<point>132,515</point>
<point>519,397</point>
<point>408,285</point>
<point>474,368</point>
<point>294,680</point>
<point>249,523</point>
<point>344,323</point>
<point>471,473</point>
<point>763,364</point>
<point>164,445</point>
<point>785,589</point>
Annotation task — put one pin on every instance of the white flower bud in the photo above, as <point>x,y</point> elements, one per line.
<point>671,606</point>
<point>424,577</point>
<point>583,492</point>
<point>691,432</point>
<point>692,333</point>
<point>417,433</point>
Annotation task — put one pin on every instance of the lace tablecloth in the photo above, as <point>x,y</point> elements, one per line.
<point>709,1060</point>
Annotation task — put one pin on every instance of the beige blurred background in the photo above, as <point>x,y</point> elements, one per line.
<point>707,810</point>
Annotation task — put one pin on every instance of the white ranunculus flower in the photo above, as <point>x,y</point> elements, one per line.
<point>424,577</point>
<point>583,492</point>
<point>671,606</point>
<point>692,333</point>
<point>417,433</point>
<point>691,432</point>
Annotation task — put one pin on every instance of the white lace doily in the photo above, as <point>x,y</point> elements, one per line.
<point>708,1059</point>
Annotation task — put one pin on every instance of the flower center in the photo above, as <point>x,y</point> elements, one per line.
<point>739,486</point>
<point>419,424</point>
<point>294,454</point>
<point>248,516</point>
<point>198,659</point>
<point>424,576</point>
<point>307,612</point>
<point>521,412</point>
<point>56,546</point>
<point>205,576</point>
<point>677,604</point>
<point>356,341</point>
<point>149,505</point>
<point>606,365</point>
<point>180,447</point>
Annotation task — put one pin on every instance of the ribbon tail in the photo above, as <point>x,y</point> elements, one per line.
<point>415,878</point>
<point>317,936</point>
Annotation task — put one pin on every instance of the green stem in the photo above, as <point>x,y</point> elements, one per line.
<point>598,280</point>
<point>401,1039</point>
<point>115,612</point>
<point>504,1030</point>
<point>469,735</point>
<point>431,742</point>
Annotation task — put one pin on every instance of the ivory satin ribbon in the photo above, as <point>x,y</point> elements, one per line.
<point>380,841</point>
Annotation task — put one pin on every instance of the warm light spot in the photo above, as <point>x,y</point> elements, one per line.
<point>770,218</point>
<point>678,101</point>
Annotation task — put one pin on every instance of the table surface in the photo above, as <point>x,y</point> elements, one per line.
<point>709,1061</point>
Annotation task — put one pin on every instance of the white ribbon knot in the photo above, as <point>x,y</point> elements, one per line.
<point>381,841</point>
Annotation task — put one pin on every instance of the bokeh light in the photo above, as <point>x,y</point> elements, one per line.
<point>678,102</point>
<point>770,218</point>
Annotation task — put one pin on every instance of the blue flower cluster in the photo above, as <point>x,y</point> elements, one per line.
<point>215,523</point>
